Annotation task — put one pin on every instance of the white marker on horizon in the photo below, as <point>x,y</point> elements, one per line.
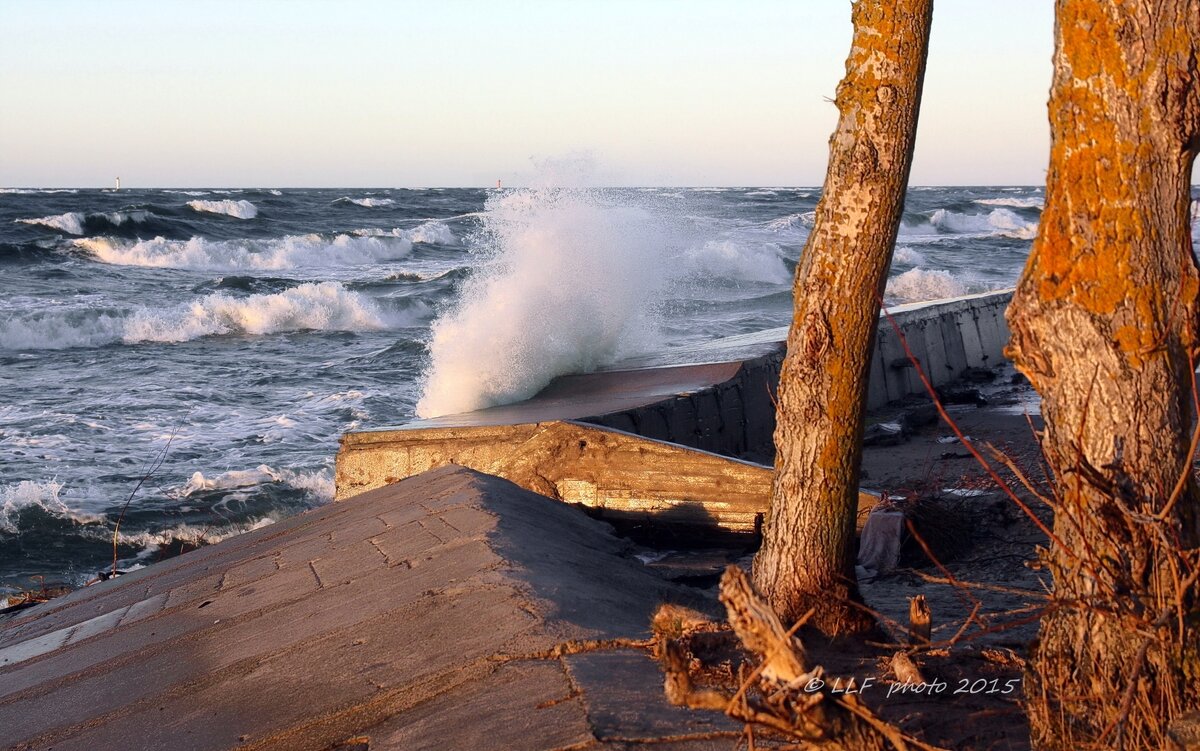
<point>118,184</point>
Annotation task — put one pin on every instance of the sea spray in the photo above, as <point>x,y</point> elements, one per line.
<point>573,279</point>
<point>568,282</point>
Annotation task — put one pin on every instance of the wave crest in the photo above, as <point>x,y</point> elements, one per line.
<point>369,203</point>
<point>27,496</point>
<point>236,209</point>
<point>202,254</point>
<point>327,306</point>
<point>999,222</point>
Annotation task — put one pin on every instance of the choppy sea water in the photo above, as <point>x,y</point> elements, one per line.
<point>226,338</point>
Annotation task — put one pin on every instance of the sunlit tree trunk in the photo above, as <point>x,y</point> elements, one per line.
<point>1103,321</point>
<point>807,558</point>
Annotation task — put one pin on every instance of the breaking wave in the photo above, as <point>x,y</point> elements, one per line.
<point>77,223</point>
<point>369,203</point>
<point>236,209</point>
<point>327,306</point>
<point>999,222</point>
<point>433,233</point>
<point>1035,202</point>
<point>27,496</point>
<point>272,254</point>
<point>919,285</point>
<point>570,281</point>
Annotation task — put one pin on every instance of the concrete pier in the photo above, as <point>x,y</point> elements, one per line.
<point>417,616</point>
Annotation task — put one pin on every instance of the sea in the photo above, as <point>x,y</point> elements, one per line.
<point>177,365</point>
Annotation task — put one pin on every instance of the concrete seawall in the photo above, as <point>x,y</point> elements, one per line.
<point>736,417</point>
<point>663,429</point>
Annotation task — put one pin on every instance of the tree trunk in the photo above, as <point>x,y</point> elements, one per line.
<point>1104,322</point>
<point>807,558</point>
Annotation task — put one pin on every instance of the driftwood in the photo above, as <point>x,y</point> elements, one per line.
<point>782,693</point>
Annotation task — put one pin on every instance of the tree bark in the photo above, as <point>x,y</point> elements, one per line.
<point>1104,324</point>
<point>807,558</point>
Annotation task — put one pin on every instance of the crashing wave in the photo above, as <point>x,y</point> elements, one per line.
<point>44,496</point>
<point>997,223</point>
<point>202,254</point>
<point>1035,202</point>
<point>369,203</point>
<point>71,222</point>
<point>76,223</point>
<point>433,233</point>
<point>727,259</point>
<point>570,281</point>
<point>919,285</point>
<point>804,219</point>
<point>236,209</point>
<point>327,306</point>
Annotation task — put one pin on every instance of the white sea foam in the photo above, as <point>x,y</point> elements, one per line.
<point>237,209</point>
<point>208,535</point>
<point>1033,202</point>
<point>33,191</point>
<point>29,494</point>
<point>804,219</point>
<point>368,202</point>
<point>429,232</point>
<point>907,256</point>
<point>918,285</point>
<point>293,251</point>
<point>327,306</point>
<point>999,222</point>
<point>319,483</point>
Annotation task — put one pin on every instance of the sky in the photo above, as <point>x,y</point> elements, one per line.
<point>365,93</point>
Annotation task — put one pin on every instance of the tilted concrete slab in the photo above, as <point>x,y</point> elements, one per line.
<point>418,616</point>
<point>654,488</point>
<point>618,476</point>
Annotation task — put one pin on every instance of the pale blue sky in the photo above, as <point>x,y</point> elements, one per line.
<point>456,93</point>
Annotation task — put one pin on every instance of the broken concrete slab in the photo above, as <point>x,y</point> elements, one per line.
<point>444,648</point>
<point>648,488</point>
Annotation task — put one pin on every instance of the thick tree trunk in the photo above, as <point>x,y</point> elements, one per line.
<point>807,558</point>
<point>1103,321</point>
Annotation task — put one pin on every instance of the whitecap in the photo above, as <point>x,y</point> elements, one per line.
<point>44,495</point>
<point>202,254</point>
<point>997,223</point>
<point>727,259</point>
<point>907,256</point>
<point>368,202</point>
<point>327,306</point>
<point>429,232</point>
<point>1033,202</point>
<point>71,222</point>
<point>236,209</point>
